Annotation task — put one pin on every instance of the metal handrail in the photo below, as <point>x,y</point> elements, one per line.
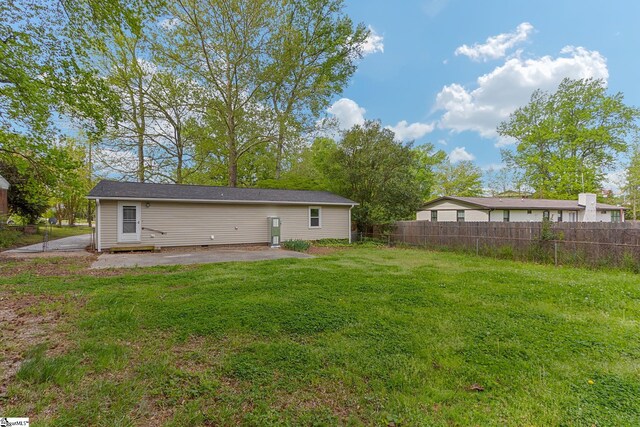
<point>153,229</point>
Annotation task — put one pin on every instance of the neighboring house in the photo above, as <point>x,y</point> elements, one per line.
<point>130,214</point>
<point>4,194</point>
<point>495,209</point>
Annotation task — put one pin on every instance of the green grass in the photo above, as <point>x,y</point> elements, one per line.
<point>362,336</point>
<point>11,238</point>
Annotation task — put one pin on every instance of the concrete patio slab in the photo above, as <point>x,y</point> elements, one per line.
<point>124,260</point>
<point>71,246</point>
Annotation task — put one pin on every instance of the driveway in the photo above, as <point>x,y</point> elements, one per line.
<point>147,259</point>
<point>66,244</point>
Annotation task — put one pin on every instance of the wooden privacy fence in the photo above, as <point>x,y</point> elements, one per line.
<point>594,243</point>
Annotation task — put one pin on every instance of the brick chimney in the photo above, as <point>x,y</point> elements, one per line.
<point>588,201</point>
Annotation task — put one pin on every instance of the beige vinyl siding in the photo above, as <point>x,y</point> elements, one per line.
<point>187,224</point>
<point>447,212</point>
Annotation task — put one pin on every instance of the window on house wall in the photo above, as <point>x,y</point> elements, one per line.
<point>314,217</point>
<point>615,216</point>
<point>505,215</point>
<point>434,216</point>
<point>572,217</point>
<point>545,215</point>
<point>559,216</point>
<point>460,216</point>
<point>529,211</point>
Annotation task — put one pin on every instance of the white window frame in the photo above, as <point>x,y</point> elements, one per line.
<point>319,217</point>
<point>129,237</point>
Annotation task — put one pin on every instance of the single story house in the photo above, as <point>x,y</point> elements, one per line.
<point>4,196</point>
<point>495,209</point>
<point>130,214</point>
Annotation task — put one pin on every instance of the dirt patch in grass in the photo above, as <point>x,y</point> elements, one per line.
<point>48,265</point>
<point>332,396</point>
<point>324,250</point>
<point>28,320</point>
<point>151,412</point>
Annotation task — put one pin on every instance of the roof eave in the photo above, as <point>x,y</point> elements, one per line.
<point>248,202</point>
<point>456,199</point>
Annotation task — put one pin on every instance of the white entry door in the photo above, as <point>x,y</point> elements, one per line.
<point>128,222</point>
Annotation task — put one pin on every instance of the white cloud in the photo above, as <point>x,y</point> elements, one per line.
<point>433,7</point>
<point>407,132</point>
<point>460,154</point>
<point>347,112</point>
<point>169,23</point>
<point>615,180</point>
<point>510,86</point>
<point>496,47</point>
<point>373,44</point>
<point>503,141</point>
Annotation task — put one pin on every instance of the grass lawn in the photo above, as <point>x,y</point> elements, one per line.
<point>358,336</point>
<point>10,238</point>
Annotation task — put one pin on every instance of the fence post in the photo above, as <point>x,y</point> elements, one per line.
<point>555,253</point>
<point>477,247</point>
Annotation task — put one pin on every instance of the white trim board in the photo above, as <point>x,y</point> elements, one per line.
<point>231,202</point>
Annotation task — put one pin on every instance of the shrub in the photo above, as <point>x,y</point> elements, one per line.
<point>296,245</point>
<point>8,237</point>
<point>331,242</point>
<point>629,262</point>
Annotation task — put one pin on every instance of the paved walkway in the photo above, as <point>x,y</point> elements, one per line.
<point>66,244</point>
<point>121,260</point>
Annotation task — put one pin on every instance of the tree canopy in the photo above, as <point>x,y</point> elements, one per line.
<point>462,179</point>
<point>567,140</point>
<point>370,167</point>
<point>631,186</point>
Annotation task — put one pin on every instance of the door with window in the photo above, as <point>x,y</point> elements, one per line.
<point>128,222</point>
<point>274,231</point>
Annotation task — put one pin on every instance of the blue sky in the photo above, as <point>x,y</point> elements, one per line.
<point>447,71</point>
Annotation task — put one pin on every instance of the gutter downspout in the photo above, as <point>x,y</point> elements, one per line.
<point>350,223</point>
<point>98,225</point>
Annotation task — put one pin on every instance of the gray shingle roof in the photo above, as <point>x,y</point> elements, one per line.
<point>514,203</point>
<point>107,189</point>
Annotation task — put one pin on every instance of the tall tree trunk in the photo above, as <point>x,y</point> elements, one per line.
<point>280,150</point>
<point>179,155</point>
<point>90,167</point>
<point>233,165</point>
<point>141,131</point>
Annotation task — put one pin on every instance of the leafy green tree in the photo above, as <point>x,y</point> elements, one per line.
<point>371,168</point>
<point>428,159</point>
<point>267,68</point>
<point>312,168</point>
<point>130,77</point>
<point>463,179</point>
<point>46,72</point>
<point>567,140</point>
<point>69,194</point>
<point>632,182</point>
<point>505,182</point>
<point>315,55</point>
<point>28,197</point>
